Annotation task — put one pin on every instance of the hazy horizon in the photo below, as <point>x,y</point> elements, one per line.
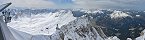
<point>70,4</point>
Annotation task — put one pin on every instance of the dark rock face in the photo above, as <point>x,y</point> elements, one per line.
<point>123,28</point>
<point>78,13</point>
<point>127,27</point>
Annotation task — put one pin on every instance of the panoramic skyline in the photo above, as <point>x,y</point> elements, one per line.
<point>87,4</point>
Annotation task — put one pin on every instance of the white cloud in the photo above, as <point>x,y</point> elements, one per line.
<point>89,4</point>
<point>110,4</point>
<point>32,3</point>
<point>92,3</point>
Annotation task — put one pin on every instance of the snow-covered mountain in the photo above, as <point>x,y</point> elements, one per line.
<point>77,25</point>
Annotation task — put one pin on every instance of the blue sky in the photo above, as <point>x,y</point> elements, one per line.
<point>87,4</point>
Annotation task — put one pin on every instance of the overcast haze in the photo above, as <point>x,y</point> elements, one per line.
<point>88,4</point>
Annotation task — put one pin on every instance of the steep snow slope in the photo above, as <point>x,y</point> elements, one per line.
<point>43,24</point>
<point>82,28</point>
